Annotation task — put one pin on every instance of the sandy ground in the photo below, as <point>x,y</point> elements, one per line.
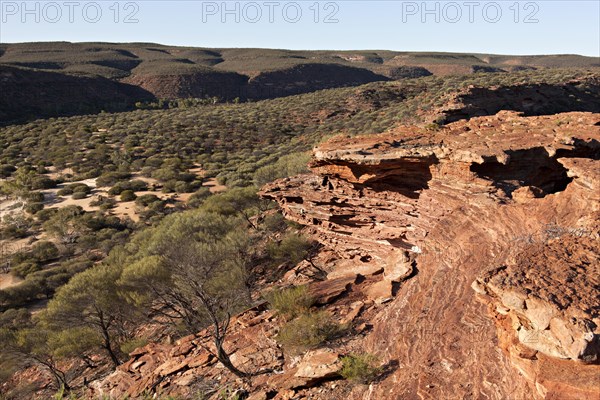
<point>9,207</point>
<point>8,280</point>
<point>121,210</point>
<point>214,186</point>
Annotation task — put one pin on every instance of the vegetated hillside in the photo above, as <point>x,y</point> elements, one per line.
<point>169,72</point>
<point>223,137</point>
<point>79,188</point>
<point>30,94</point>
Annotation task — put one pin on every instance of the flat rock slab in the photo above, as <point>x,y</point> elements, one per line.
<point>327,291</point>
<point>380,292</point>
<point>349,268</point>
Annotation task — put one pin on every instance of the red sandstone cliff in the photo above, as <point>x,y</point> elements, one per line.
<point>470,198</point>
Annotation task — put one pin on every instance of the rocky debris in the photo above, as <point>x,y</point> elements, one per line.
<point>315,367</point>
<point>423,213</point>
<point>327,291</point>
<point>561,323</point>
<point>175,368</point>
<point>318,365</point>
<point>380,292</point>
<point>355,309</point>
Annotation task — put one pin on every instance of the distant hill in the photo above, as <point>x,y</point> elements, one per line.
<point>61,78</point>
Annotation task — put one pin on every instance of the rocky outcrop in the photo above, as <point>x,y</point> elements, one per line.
<point>559,323</point>
<point>194,81</point>
<point>305,78</point>
<point>530,99</point>
<point>435,211</point>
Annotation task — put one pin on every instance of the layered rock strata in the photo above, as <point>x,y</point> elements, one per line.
<point>439,210</point>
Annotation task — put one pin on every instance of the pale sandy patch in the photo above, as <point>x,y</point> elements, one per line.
<point>8,280</point>
<point>214,186</point>
<point>9,207</point>
<point>125,210</point>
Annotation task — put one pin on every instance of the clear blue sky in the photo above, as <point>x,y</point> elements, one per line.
<point>539,27</point>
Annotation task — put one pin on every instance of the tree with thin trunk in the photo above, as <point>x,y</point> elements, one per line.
<point>191,270</point>
<point>91,300</point>
<point>24,341</point>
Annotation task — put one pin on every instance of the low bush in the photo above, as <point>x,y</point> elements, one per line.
<point>34,208</point>
<point>360,368</point>
<point>79,195</point>
<point>110,178</point>
<point>66,191</point>
<point>34,197</point>
<point>128,195</point>
<point>134,185</point>
<point>293,248</point>
<point>44,251</point>
<point>198,197</point>
<point>308,331</point>
<point>25,268</point>
<point>80,188</point>
<point>105,203</point>
<point>135,343</point>
<point>42,182</point>
<point>46,214</point>
<point>291,302</point>
<point>146,200</point>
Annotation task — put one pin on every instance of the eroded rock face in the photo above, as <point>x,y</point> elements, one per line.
<point>437,210</point>
<point>550,295</point>
<point>531,99</point>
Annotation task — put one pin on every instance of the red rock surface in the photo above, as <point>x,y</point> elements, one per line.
<point>459,202</point>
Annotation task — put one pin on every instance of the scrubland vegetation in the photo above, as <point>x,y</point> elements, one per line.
<point>88,278</point>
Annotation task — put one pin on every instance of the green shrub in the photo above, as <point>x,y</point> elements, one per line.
<point>66,191</point>
<point>183,187</point>
<point>6,170</point>
<point>146,200</point>
<point>274,222</point>
<point>128,195</point>
<point>360,368</point>
<point>198,197</point>
<point>34,208</point>
<point>25,268</point>
<point>46,214</point>
<point>42,182</point>
<point>130,345</point>
<point>105,203</point>
<point>79,195</point>
<point>134,185</point>
<point>34,197</point>
<point>44,251</point>
<point>308,331</point>
<point>110,178</point>
<point>288,165</point>
<point>291,302</point>
<point>293,248</point>
<point>80,188</point>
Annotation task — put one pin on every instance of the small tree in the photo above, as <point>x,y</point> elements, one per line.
<point>66,224</point>
<point>238,201</point>
<point>23,341</point>
<point>92,300</point>
<point>192,269</point>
